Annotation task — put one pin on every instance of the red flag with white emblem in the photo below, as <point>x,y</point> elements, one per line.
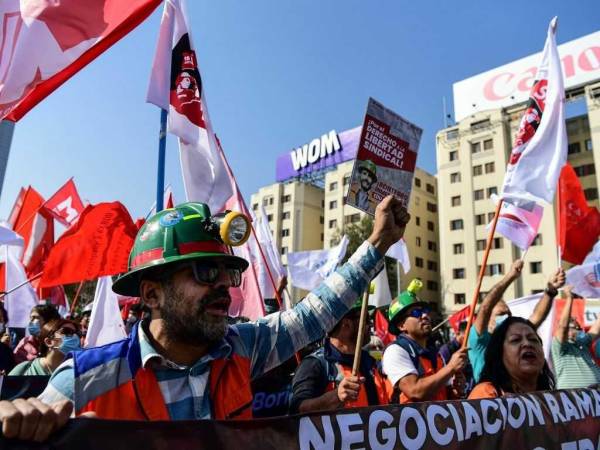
<point>45,42</point>
<point>579,224</point>
<point>65,205</point>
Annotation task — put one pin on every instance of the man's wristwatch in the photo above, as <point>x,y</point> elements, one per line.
<point>551,291</point>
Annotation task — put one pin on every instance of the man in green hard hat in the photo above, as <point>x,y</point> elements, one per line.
<point>186,362</point>
<point>416,371</point>
<point>324,379</point>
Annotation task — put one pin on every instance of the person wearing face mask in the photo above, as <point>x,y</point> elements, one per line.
<point>27,348</point>
<point>493,311</point>
<point>514,362</point>
<point>57,339</point>
<point>573,362</point>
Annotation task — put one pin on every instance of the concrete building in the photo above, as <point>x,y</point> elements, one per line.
<point>471,159</point>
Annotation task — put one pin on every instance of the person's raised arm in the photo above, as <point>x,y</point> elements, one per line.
<point>556,281</point>
<point>595,328</point>
<point>562,327</point>
<point>495,295</point>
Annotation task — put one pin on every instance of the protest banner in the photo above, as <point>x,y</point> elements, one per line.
<point>386,158</point>
<point>568,419</point>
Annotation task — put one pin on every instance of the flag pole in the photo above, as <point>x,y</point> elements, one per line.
<point>76,297</point>
<point>162,146</point>
<point>558,228</point>
<point>361,330</point>
<point>488,247</point>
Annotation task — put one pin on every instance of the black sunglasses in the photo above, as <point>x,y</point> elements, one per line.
<point>209,273</point>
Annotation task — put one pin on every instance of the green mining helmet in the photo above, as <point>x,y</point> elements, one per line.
<point>402,303</point>
<point>369,166</point>
<point>358,305</point>
<point>186,232</point>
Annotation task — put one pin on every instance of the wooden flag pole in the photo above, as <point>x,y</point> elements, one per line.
<point>482,272</point>
<point>76,297</point>
<point>361,333</point>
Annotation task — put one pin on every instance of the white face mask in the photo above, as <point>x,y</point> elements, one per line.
<point>501,318</point>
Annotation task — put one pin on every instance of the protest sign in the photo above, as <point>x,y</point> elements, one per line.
<point>386,158</point>
<point>568,419</point>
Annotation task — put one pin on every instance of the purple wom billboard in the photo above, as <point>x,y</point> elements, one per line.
<point>329,150</point>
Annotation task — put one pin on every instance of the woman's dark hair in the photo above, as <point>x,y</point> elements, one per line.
<point>4,314</point>
<point>49,329</point>
<point>47,312</point>
<point>494,370</point>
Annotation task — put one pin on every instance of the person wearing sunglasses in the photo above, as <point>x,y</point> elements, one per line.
<point>186,361</point>
<point>417,372</point>
<point>57,339</point>
<point>324,379</point>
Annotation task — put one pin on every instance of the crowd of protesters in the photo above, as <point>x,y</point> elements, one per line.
<point>296,361</point>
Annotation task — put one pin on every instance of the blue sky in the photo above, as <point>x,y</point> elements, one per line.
<point>276,74</point>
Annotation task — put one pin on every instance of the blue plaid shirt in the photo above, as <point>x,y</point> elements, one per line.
<point>267,342</point>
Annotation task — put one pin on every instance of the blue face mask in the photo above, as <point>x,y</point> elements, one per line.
<point>69,344</point>
<point>501,318</point>
<point>34,328</point>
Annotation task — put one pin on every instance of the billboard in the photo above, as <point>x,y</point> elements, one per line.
<point>329,150</point>
<point>511,83</point>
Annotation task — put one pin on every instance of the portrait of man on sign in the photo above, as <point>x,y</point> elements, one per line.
<point>362,184</point>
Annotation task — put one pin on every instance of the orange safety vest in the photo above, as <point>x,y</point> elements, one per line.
<point>382,384</point>
<point>140,398</point>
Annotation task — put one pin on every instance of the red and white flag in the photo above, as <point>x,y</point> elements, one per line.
<point>578,224</point>
<point>519,221</point>
<point>540,149</point>
<point>65,205</point>
<point>176,86</point>
<point>45,42</point>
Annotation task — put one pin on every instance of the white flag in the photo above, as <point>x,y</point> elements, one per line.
<point>18,303</point>
<point>523,307</point>
<point>594,255</point>
<point>106,325</point>
<point>399,251</point>
<point>176,86</point>
<point>309,268</point>
<point>540,149</point>
<point>382,295</point>
<point>268,243</point>
<point>519,221</point>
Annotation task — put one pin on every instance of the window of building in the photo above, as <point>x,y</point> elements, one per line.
<point>430,226</point>
<point>432,285</point>
<point>429,187</point>
<point>455,177</point>
<point>480,124</point>
<point>591,193</point>
<point>286,198</point>
<point>458,249</point>
<point>284,250</point>
<point>322,203</point>
<point>492,191</point>
<point>456,224</point>
<point>495,269</point>
<point>267,200</point>
<point>478,194</point>
<point>586,169</point>
<point>498,242</point>
<point>452,134</point>
<point>417,182</point>
<point>269,217</point>
<point>481,244</point>
<point>333,185</point>
<point>588,145</point>
<point>322,237</point>
<point>453,155</point>
<point>455,200</point>
<point>321,220</point>
<point>418,262</point>
<point>573,148</point>
<point>285,232</point>
<point>432,265</point>
<point>489,167</point>
<point>353,218</point>
<point>537,240</point>
<point>346,179</point>
<point>477,170</point>
<point>481,296</point>
<point>333,223</point>
<point>458,273</point>
<point>333,204</point>
<point>475,147</point>
<point>535,267</point>
<point>255,206</point>
<point>460,299</point>
<point>418,241</point>
<point>285,215</point>
<point>488,144</point>
<point>418,220</point>
<point>417,200</point>
<point>479,219</point>
<point>490,216</point>
<point>431,207</point>
<point>432,246</point>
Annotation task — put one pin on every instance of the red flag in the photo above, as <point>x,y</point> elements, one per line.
<point>31,221</point>
<point>97,245</point>
<point>459,316</point>
<point>65,205</point>
<point>381,329</point>
<point>44,43</point>
<point>579,224</point>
